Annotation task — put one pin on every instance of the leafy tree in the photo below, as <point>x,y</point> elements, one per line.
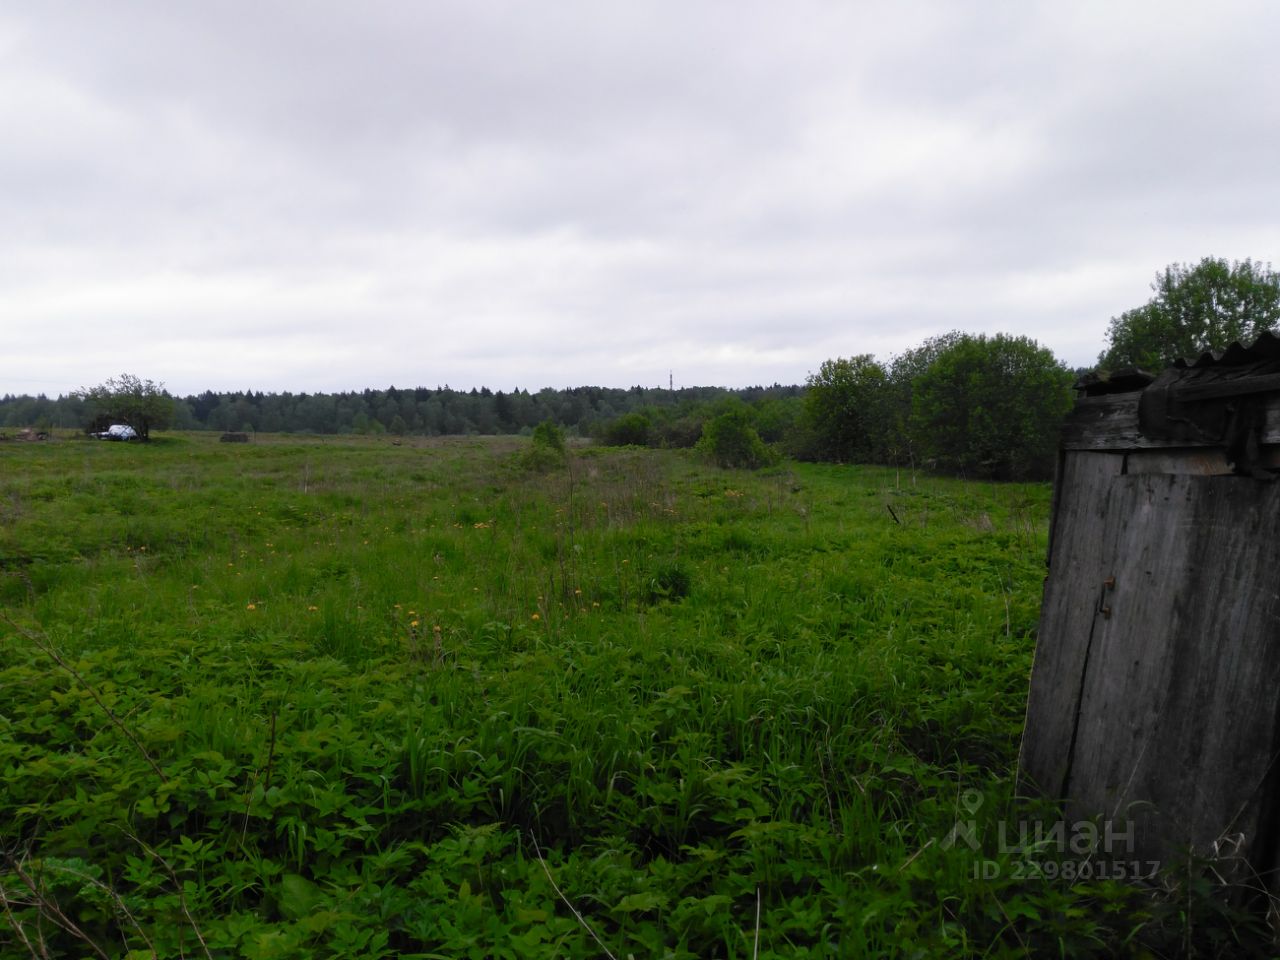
<point>898,441</point>
<point>1194,309</point>
<point>842,408</point>
<point>142,404</point>
<point>731,441</point>
<point>546,449</point>
<point>992,406</point>
<point>629,429</point>
<point>777,418</point>
<point>549,435</point>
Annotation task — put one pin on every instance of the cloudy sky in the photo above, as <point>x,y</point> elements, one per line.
<point>323,196</point>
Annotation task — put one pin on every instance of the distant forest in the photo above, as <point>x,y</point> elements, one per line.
<point>419,411</point>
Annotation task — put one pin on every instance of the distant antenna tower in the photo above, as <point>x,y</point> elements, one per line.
<point>671,381</point>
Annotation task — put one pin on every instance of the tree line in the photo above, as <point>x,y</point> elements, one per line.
<point>964,403</point>
<point>986,406</point>
<point>417,411</point>
<point>973,404</point>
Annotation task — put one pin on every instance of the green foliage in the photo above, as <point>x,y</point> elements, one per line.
<point>843,409</point>
<point>549,436</point>
<point>671,581</point>
<point>142,404</point>
<point>1194,309</point>
<point>629,430</point>
<point>419,705</point>
<point>676,415</point>
<point>778,418</point>
<point>546,448</point>
<point>899,443</point>
<point>991,407</point>
<point>730,440</point>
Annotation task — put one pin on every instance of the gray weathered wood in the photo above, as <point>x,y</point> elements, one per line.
<point>1076,570</point>
<point>1110,422</point>
<point>1158,698</point>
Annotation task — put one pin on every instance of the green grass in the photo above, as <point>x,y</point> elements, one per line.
<point>417,700</point>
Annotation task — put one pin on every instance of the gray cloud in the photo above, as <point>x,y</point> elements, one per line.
<point>332,196</point>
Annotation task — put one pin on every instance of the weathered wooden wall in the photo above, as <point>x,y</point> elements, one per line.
<point>1110,422</point>
<point>1155,694</point>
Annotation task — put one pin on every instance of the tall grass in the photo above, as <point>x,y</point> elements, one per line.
<point>409,700</point>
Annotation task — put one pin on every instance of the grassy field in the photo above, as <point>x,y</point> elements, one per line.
<point>336,698</point>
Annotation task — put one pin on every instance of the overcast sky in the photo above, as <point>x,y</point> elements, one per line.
<point>327,196</point>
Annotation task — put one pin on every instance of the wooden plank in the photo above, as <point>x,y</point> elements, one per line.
<point>1071,592</point>
<point>1180,692</point>
<point>1110,422</point>
<point>1202,461</point>
<point>1225,387</point>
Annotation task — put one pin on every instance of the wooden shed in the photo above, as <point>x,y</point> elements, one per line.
<point>1155,694</point>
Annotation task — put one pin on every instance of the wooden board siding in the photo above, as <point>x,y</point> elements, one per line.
<point>1071,595</point>
<point>1110,422</point>
<point>1159,697</point>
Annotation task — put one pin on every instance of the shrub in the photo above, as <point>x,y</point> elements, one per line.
<point>731,441</point>
<point>992,406</point>
<point>550,435</point>
<point>546,448</point>
<point>630,429</point>
<point>842,408</point>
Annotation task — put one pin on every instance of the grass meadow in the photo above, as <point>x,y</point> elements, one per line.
<point>331,697</point>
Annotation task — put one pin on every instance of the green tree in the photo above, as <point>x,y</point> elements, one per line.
<point>731,440</point>
<point>630,429</point>
<point>142,404</point>
<point>842,408</point>
<point>899,442</point>
<point>1194,309</point>
<point>549,435</point>
<point>992,406</point>
<point>777,418</point>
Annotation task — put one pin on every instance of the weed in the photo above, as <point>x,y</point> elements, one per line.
<point>328,699</point>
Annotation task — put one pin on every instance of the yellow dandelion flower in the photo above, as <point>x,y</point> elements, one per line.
<point>313,608</point>
<point>536,616</point>
<point>413,623</point>
<point>251,606</point>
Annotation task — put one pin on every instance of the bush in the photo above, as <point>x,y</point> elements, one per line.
<point>546,448</point>
<point>550,435</point>
<point>992,407</point>
<point>731,440</point>
<point>842,409</point>
<point>679,433</point>
<point>630,429</point>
